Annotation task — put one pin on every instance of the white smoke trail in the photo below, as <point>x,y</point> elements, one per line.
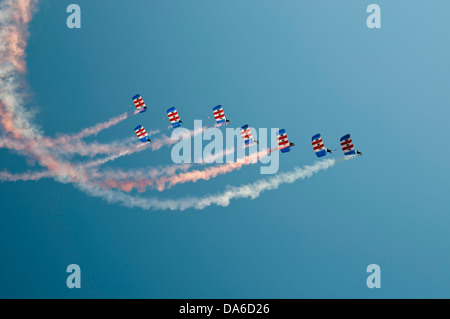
<point>109,175</point>
<point>252,191</point>
<point>118,174</point>
<point>127,151</point>
<point>165,182</point>
<point>164,140</point>
<point>93,130</point>
<point>27,176</point>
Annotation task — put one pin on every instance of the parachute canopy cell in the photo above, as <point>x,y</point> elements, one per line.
<point>139,103</point>
<point>174,118</point>
<point>347,145</point>
<point>247,135</point>
<point>318,146</point>
<point>141,133</point>
<point>283,143</point>
<point>219,115</point>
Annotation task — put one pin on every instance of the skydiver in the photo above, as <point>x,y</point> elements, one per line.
<point>228,121</point>
<point>148,139</point>
<point>358,152</point>
<point>181,122</point>
<point>329,151</point>
<point>291,144</point>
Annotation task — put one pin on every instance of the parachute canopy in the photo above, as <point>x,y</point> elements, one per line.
<point>141,133</point>
<point>173,117</point>
<point>283,143</point>
<point>318,146</point>
<point>347,145</point>
<point>247,135</point>
<point>139,103</point>
<point>219,115</point>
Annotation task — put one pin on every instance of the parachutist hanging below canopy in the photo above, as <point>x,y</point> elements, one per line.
<point>139,103</point>
<point>347,146</point>
<point>283,143</point>
<point>247,136</point>
<point>174,118</point>
<point>319,146</point>
<point>219,116</point>
<point>142,134</point>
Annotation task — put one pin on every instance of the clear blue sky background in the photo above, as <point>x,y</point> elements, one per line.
<point>306,66</point>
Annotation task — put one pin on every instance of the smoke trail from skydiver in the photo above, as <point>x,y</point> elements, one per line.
<point>165,182</point>
<point>93,130</point>
<point>252,191</point>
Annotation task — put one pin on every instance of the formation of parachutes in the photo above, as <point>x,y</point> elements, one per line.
<point>284,145</point>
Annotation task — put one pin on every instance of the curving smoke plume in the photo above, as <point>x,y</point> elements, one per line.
<point>19,133</point>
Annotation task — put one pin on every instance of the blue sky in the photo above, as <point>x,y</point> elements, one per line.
<point>306,66</point>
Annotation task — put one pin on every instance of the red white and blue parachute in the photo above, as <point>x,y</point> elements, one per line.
<point>283,143</point>
<point>219,115</point>
<point>142,134</point>
<point>139,103</point>
<point>247,135</point>
<point>318,146</point>
<point>347,145</point>
<point>174,117</point>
